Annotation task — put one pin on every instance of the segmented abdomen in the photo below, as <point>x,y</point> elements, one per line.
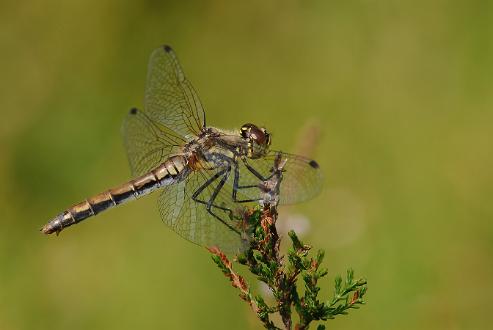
<point>169,172</point>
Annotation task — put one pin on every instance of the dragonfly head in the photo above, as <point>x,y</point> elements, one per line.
<point>258,140</point>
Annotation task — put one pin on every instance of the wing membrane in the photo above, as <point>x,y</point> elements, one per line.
<point>170,99</point>
<point>172,115</point>
<point>191,219</point>
<point>147,142</point>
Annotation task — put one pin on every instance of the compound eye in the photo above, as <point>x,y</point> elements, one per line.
<point>258,135</point>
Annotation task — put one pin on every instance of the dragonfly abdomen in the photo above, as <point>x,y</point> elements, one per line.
<point>167,173</point>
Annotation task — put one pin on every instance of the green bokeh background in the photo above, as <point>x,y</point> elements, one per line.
<point>402,92</point>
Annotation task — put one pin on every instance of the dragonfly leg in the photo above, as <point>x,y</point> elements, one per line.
<point>207,184</point>
<point>210,203</point>
<point>219,187</point>
<point>237,186</point>
<point>256,173</point>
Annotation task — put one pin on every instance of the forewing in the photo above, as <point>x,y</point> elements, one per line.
<point>172,116</point>
<point>192,221</point>
<point>148,143</point>
<point>169,97</point>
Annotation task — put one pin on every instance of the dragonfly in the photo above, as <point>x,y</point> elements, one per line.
<point>205,176</point>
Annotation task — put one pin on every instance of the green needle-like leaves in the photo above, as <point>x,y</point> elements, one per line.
<point>263,259</point>
<point>284,275</point>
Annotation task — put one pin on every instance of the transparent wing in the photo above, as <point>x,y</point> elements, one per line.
<point>301,180</point>
<point>192,221</point>
<point>148,143</point>
<point>169,97</point>
<point>172,116</point>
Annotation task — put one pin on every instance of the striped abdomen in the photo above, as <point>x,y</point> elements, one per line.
<point>167,173</point>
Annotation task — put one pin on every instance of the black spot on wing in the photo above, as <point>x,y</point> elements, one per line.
<point>133,111</point>
<point>167,48</point>
<point>313,164</point>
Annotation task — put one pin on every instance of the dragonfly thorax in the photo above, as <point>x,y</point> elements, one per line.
<point>214,148</point>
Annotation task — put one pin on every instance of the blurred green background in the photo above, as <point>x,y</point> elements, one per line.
<point>402,92</point>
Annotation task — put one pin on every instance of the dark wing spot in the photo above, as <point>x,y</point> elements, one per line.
<point>167,48</point>
<point>133,111</point>
<point>313,164</point>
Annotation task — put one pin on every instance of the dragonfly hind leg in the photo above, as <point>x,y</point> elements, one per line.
<point>224,174</point>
